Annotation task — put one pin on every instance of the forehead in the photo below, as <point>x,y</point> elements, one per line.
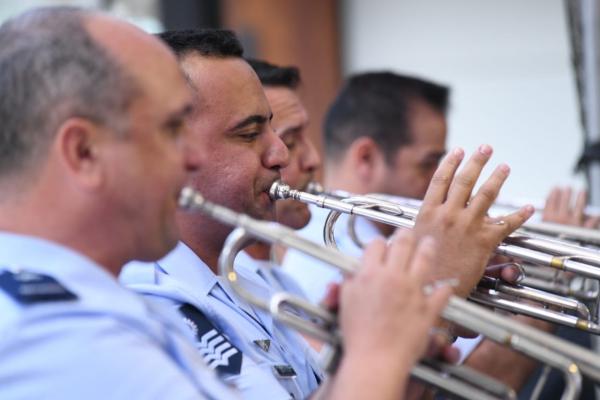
<point>288,110</point>
<point>227,89</point>
<point>144,57</point>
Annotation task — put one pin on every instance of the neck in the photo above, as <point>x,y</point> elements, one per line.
<point>204,236</point>
<point>48,219</point>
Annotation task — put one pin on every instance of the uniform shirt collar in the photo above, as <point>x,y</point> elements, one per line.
<point>246,262</point>
<point>187,268</point>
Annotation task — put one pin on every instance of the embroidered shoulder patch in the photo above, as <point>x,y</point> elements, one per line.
<point>31,288</point>
<point>215,349</point>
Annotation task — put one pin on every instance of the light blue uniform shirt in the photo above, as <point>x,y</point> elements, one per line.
<point>182,277</point>
<point>105,343</point>
<point>269,273</point>
<point>270,278</point>
<point>314,276</point>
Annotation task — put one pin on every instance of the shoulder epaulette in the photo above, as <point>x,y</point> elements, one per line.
<point>30,288</point>
<point>216,350</point>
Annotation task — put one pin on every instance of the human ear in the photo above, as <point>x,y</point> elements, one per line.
<point>367,160</point>
<point>77,142</point>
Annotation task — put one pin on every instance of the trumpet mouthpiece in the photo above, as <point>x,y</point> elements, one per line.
<point>279,191</point>
<point>188,197</point>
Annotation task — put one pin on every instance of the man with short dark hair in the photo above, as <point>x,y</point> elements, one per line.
<point>240,157</point>
<point>395,124</point>
<point>384,133</point>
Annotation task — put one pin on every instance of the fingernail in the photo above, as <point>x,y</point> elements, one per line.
<point>514,275</point>
<point>485,149</point>
<point>504,168</point>
<point>529,209</point>
<point>458,152</point>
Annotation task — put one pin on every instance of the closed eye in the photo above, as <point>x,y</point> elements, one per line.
<point>174,127</point>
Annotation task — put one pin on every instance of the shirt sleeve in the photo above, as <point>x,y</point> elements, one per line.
<point>88,358</point>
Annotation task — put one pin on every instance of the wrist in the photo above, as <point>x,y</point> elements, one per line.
<point>381,375</point>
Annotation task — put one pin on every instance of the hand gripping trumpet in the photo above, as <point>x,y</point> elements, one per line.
<point>535,250</point>
<point>569,359</point>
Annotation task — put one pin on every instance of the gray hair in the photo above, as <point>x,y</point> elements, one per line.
<point>51,69</point>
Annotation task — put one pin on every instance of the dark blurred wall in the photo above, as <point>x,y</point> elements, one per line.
<point>187,14</point>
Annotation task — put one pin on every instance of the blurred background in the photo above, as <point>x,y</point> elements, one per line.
<point>509,63</point>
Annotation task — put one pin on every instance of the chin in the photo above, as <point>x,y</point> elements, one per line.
<point>263,213</point>
<point>294,217</point>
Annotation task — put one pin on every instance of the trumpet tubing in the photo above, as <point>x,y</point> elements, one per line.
<point>534,250</point>
<point>565,357</point>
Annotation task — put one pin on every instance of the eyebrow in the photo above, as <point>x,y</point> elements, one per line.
<point>292,130</point>
<point>182,113</point>
<point>253,119</point>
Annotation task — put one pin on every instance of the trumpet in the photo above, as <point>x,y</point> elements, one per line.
<point>577,287</point>
<point>570,359</point>
<point>548,230</point>
<point>534,249</point>
<point>550,253</point>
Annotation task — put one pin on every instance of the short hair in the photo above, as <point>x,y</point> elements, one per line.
<point>273,75</point>
<point>218,43</point>
<point>377,105</point>
<point>53,70</point>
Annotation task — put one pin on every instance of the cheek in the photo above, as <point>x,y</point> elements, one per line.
<point>405,182</point>
<point>225,182</point>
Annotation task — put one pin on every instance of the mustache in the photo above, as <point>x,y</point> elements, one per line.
<point>265,184</point>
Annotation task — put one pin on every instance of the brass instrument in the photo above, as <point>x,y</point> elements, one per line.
<point>532,249</point>
<point>570,359</point>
